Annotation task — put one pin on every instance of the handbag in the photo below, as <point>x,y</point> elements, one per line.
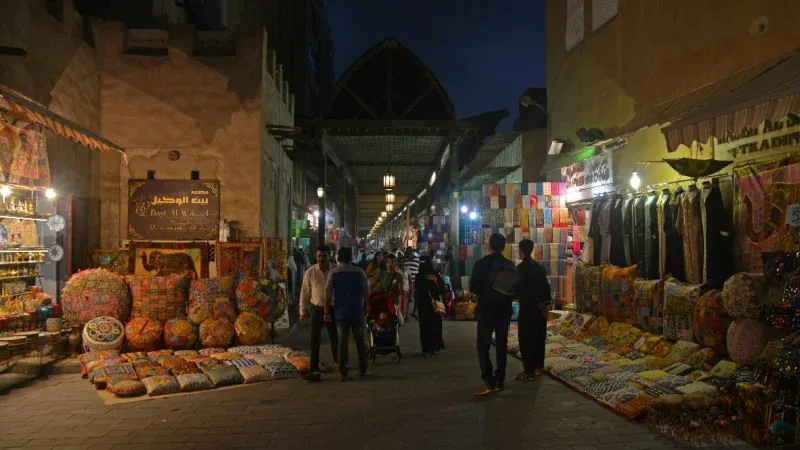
<point>438,306</point>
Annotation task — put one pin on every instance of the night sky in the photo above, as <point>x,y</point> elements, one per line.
<point>485,53</point>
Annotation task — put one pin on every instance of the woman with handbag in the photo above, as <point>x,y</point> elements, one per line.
<point>429,288</point>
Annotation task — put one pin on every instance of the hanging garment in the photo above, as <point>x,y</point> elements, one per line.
<point>627,229</point>
<point>718,254</point>
<point>638,230</point>
<point>674,258</point>
<point>594,232</point>
<point>617,234</point>
<point>663,217</point>
<point>690,226</point>
<point>605,229</point>
<point>650,269</point>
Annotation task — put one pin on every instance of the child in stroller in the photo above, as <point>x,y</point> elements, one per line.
<point>383,324</point>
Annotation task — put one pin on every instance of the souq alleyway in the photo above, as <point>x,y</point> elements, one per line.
<point>417,404</point>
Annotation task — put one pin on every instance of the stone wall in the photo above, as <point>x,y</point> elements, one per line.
<point>207,109</point>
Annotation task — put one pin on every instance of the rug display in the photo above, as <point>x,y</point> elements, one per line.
<point>187,259</point>
<point>239,259</point>
<point>115,260</point>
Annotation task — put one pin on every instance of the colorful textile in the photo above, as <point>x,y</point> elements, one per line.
<point>648,300</point>
<point>194,382</point>
<point>254,374</point>
<point>261,297</point>
<point>128,388</point>
<point>648,342</point>
<point>102,334</point>
<point>161,385</point>
<point>711,321</point>
<point>673,381</point>
<point>682,349</point>
<point>95,293</point>
<point>115,260</point>
<point>211,297</point>
<point>697,387</point>
<point>663,348</point>
<point>251,329</point>
<point>745,338</point>
<point>216,332</point>
<point>185,259</point>
<point>149,369</point>
<point>238,259</point>
<point>180,333</point>
<point>160,298</point>
<point>635,408</point>
<point>617,293</point>
<point>701,358</point>
<point>24,154</point>
<point>282,370</point>
<point>620,396</point>
<point>86,358</point>
<point>587,287</point>
<point>599,389</point>
<point>678,368</point>
<point>723,369</point>
<point>679,301</point>
<point>102,374</point>
<point>143,333</point>
<point>744,296</point>
<point>224,376</point>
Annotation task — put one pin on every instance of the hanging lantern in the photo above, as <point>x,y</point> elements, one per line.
<point>320,192</point>
<point>390,197</point>
<point>389,207</point>
<point>384,214</point>
<point>388,180</point>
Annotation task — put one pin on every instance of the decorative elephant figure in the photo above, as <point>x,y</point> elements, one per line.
<point>169,264</point>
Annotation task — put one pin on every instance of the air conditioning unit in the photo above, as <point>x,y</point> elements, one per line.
<point>214,44</point>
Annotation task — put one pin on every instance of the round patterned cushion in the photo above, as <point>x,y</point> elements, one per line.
<point>96,293</point>
<point>103,333</point>
<point>128,389</point>
<point>263,298</point>
<point>746,338</point>
<point>743,295</point>
<point>180,333</point>
<point>216,332</point>
<point>211,297</point>
<point>251,329</point>
<point>710,321</point>
<point>143,333</point>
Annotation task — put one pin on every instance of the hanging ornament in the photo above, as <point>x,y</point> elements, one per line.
<point>56,253</point>
<point>56,223</point>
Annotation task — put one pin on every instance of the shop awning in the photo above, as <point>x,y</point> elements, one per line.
<point>742,100</point>
<point>488,165</point>
<point>57,124</point>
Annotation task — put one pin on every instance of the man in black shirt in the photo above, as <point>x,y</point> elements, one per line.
<point>493,316</point>
<point>535,301</point>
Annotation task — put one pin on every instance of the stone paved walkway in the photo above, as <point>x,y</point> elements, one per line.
<point>417,404</point>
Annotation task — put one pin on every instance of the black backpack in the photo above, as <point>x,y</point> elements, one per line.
<point>506,282</point>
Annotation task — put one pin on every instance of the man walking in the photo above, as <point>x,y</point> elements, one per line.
<point>313,290</point>
<point>535,301</point>
<point>493,282</point>
<point>347,290</point>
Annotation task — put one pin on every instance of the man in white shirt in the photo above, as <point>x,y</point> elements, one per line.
<point>313,290</point>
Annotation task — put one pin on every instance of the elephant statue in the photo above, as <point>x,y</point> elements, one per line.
<point>169,264</point>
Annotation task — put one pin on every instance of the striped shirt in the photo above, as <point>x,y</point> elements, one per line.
<point>412,266</point>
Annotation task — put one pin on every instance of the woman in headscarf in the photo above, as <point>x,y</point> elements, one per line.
<point>429,288</point>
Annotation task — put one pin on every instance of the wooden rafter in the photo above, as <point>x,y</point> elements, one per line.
<point>389,91</point>
<point>418,99</point>
<point>361,101</point>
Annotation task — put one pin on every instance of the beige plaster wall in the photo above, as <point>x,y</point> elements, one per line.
<point>209,110</point>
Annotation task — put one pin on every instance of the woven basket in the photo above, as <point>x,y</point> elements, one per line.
<point>54,324</point>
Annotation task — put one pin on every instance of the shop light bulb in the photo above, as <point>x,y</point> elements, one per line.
<point>636,182</point>
<point>464,209</point>
<point>50,193</point>
<point>473,215</point>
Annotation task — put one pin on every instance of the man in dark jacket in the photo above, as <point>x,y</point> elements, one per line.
<point>535,301</point>
<point>493,316</point>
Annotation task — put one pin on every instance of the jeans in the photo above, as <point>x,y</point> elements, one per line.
<point>344,327</point>
<point>317,323</point>
<point>532,335</point>
<point>497,322</point>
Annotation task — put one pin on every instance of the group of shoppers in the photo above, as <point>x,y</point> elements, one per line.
<point>336,299</point>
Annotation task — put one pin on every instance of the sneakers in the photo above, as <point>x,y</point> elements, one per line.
<point>313,376</point>
<point>484,390</point>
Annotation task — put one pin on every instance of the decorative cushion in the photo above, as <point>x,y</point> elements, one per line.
<point>745,339</point>
<point>696,387</point>
<point>587,287</point>
<point>186,353</point>
<point>95,293</point>
<point>264,298</point>
<point>103,333</point>
<point>227,356</point>
<point>282,370</point>
<point>134,356</point>
<point>678,368</point>
<point>617,293</point>
<point>679,302</point>
<point>120,377</point>
<point>656,362</point>
<point>682,349</point>
<point>240,362</point>
<point>91,366</point>
<point>193,382</point>
<point>160,298</point>
<point>622,376</point>
<point>743,295</point>
<point>653,375</point>
<point>663,348</point>
<point>635,408</point>
<point>598,326</point>
<point>254,374</point>
<point>723,369</point>
<point>701,358</point>
<point>161,385</point>
<point>102,374</point>
<point>673,381</point>
<point>263,359</point>
<point>211,296</point>
<point>711,321</point>
<point>216,332</point>
<point>211,350</point>
<point>127,388</point>
<point>143,333</point>
<point>149,369</point>
<point>160,353</point>
<point>224,376</point>
<point>295,354</point>
<point>623,395</point>
<point>180,333</point>
<point>86,358</point>
<point>648,304</point>
<point>598,389</point>
<point>206,363</point>
<point>247,349</point>
<point>183,367</point>
<point>251,329</point>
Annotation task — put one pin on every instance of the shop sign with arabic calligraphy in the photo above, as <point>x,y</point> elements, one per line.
<point>593,172</point>
<point>182,210</point>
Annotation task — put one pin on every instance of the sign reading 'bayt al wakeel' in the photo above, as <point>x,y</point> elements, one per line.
<point>173,209</point>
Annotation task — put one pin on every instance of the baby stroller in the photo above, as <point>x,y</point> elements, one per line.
<point>384,334</point>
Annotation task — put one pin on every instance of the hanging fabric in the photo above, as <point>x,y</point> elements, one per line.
<point>690,226</point>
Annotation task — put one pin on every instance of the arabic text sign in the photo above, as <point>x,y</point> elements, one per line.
<point>173,209</point>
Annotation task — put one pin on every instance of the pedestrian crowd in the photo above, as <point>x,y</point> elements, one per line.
<point>337,299</point>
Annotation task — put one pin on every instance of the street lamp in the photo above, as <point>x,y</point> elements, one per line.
<point>320,192</point>
<point>388,180</point>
